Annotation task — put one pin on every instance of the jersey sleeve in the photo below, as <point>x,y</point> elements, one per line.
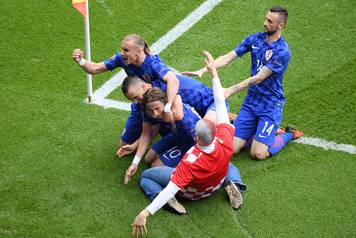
<point>114,62</point>
<point>245,45</point>
<point>279,61</point>
<point>182,175</point>
<point>159,68</point>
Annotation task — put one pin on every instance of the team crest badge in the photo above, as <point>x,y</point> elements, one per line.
<point>269,54</point>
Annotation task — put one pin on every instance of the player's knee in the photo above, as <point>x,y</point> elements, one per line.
<point>238,145</point>
<point>150,157</point>
<point>157,162</point>
<point>259,154</point>
<point>237,149</point>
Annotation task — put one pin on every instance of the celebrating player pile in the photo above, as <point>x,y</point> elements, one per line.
<point>192,158</point>
<point>204,168</point>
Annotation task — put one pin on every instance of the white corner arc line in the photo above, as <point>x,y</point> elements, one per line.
<point>326,145</point>
<point>157,47</point>
<point>172,35</point>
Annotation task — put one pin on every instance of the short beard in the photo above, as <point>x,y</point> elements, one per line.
<point>269,33</point>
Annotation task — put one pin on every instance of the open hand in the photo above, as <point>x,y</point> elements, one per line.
<point>198,73</point>
<point>209,62</point>
<point>139,224</point>
<point>168,117</point>
<point>129,173</point>
<point>126,150</point>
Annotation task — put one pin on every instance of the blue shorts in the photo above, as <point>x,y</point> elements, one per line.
<point>257,122</point>
<point>133,127</point>
<point>172,148</point>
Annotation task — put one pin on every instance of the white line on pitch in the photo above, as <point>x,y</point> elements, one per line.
<point>114,82</point>
<point>326,145</point>
<point>157,47</point>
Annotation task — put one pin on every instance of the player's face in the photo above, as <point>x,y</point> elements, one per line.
<point>129,52</point>
<point>271,24</point>
<point>135,93</point>
<point>155,109</point>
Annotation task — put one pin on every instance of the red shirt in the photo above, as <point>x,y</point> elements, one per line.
<point>199,173</point>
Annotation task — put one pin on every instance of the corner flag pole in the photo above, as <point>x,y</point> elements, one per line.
<point>87,50</point>
<point>83,8</point>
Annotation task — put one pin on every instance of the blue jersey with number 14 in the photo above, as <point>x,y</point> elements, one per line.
<point>275,56</point>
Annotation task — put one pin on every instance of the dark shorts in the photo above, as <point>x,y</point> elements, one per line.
<point>172,148</point>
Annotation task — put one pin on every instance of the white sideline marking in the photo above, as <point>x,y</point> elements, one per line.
<point>326,145</point>
<point>156,48</point>
<point>106,7</point>
<point>172,35</point>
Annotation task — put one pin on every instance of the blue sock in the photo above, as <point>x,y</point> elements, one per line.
<point>279,142</point>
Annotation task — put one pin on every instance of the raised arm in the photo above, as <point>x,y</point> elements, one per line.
<point>222,115</point>
<point>219,62</point>
<point>88,66</point>
<point>256,79</point>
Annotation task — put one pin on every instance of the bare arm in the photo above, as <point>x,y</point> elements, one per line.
<point>256,79</point>
<point>172,90</point>
<point>177,108</point>
<point>144,141</point>
<point>172,86</point>
<point>219,63</point>
<point>126,149</point>
<point>88,66</point>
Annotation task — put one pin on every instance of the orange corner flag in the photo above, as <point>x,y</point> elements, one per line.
<point>80,5</point>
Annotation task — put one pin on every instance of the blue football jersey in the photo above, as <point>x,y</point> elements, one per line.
<point>185,127</point>
<point>275,56</point>
<point>152,68</point>
<point>193,92</point>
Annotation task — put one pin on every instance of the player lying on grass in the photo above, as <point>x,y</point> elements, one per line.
<point>261,113</point>
<point>203,169</point>
<point>169,149</point>
<point>192,92</point>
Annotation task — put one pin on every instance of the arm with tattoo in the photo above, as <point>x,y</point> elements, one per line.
<point>256,79</point>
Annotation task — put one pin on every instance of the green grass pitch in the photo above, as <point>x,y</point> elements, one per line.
<point>59,176</point>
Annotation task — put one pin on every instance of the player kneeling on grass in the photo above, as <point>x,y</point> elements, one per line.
<point>203,169</point>
<point>261,112</point>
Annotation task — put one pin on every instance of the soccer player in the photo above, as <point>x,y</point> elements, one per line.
<point>192,92</point>
<point>203,169</point>
<point>169,149</point>
<point>261,113</point>
<point>136,59</point>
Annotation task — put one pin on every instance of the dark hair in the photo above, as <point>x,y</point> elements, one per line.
<point>128,82</point>
<point>282,12</point>
<point>139,41</point>
<point>152,95</point>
